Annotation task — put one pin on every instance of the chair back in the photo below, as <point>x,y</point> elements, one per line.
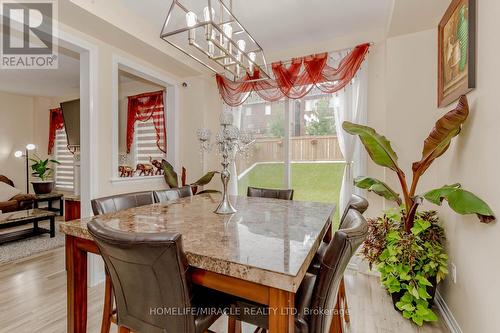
<point>270,193</point>
<point>172,194</point>
<point>356,202</point>
<point>333,264</point>
<point>119,202</point>
<point>149,276</point>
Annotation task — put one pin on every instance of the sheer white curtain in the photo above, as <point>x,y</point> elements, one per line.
<point>351,105</point>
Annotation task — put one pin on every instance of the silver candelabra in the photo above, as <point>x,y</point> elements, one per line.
<point>230,141</point>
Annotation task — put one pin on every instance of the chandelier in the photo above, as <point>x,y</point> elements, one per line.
<point>208,32</point>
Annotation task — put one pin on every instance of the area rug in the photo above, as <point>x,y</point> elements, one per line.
<point>30,246</point>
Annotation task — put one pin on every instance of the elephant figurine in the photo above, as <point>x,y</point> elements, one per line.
<point>157,165</point>
<point>126,171</point>
<point>144,169</point>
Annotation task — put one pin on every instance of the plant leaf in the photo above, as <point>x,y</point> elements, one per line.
<point>461,201</point>
<point>378,187</point>
<point>169,174</point>
<point>205,179</point>
<point>439,139</point>
<point>377,146</point>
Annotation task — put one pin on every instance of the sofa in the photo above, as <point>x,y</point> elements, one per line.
<point>19,202</point>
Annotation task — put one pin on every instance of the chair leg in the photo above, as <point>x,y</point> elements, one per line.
<point>343,301</point>
<point>233,325</point>
<point>107,311</point>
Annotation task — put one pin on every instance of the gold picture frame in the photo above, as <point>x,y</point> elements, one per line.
<point>457,51</point>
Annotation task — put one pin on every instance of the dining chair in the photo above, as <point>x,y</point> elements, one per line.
<point>316,293</point>
<point>355,202</point>
<point>172,193</point>
<point>150,277</point>
<point>270,193</point>
<point>113,204</point>
<point>360,204</point>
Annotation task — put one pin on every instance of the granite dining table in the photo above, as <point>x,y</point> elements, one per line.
<point>260,253</point>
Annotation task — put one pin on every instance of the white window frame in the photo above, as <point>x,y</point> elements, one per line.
<point>171,107</point>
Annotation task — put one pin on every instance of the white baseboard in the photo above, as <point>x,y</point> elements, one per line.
<point>446,313</point>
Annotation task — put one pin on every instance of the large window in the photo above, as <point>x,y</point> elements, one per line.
<point>64,173</point>
<point>142,136</point>
<point>296,147</point>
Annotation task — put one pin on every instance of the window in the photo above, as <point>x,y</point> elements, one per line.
<point>145,140</point>
<point>248,112</point>
<point>268,110</point>
<point>64,173</point>
<point>296,146</point>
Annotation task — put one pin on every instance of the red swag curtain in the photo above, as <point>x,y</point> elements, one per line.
<point>296,80</point>
<point>144,107</point>
<point>56,122</point>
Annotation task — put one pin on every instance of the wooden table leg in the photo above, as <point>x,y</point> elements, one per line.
<point>281,311</point>
<point>76,270</point>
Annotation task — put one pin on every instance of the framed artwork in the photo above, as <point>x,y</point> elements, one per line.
<point>457,51</point>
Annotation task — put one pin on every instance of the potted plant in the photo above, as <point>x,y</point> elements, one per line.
<point>172,179</point>
<point>406,245</point>
<point>40,169</point>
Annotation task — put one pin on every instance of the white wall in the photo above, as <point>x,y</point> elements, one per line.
<point>16,130</point>
<point>411,98</point>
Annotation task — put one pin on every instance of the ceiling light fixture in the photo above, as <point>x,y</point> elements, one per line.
<point>208,32</point>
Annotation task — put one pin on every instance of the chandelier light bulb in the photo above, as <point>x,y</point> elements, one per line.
<point>191,19</point>
<point>30,146</point>
<point>241,45</point>
<point>18,154</point>
<point>207,12</point>
<point>228,31</point>
<point>252,57</point>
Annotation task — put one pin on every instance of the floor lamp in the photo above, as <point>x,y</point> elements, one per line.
<point>20,154</point>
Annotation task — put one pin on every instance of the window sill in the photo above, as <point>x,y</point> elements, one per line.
<point>135,179</point>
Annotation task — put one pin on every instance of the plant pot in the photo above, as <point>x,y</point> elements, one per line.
<point>431,290</point>
<point>43,187</point>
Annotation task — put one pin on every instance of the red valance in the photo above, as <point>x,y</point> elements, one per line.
<point>144,107</point>
<point>56,122</point>
<point>296,80</point>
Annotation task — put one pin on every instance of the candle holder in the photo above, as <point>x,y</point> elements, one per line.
<point>230,142</point>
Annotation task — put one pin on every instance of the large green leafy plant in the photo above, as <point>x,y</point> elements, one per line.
<point>436,144</point>
<point>40,168</point>
<point>172,179</point>
<point>406,257</point>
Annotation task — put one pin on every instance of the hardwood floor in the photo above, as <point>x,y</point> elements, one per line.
<point>33,299</point>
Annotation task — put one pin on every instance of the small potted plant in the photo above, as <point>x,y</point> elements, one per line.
<point>407,245</point>
<point>40,169</point>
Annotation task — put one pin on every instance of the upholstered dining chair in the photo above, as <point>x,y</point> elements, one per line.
<point>119,202</point>
<point>316,292</point>
<point>172,194</point>
<point>360,204</point>
<point>150,275</point>
<point>113,204</point>
<point>270,193</point>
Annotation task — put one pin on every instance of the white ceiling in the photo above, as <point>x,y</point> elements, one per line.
<point>282,24</point>
<point>45,82</point>
<point>413,16</point>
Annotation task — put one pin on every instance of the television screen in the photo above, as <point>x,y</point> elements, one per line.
<point>71,115</point>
